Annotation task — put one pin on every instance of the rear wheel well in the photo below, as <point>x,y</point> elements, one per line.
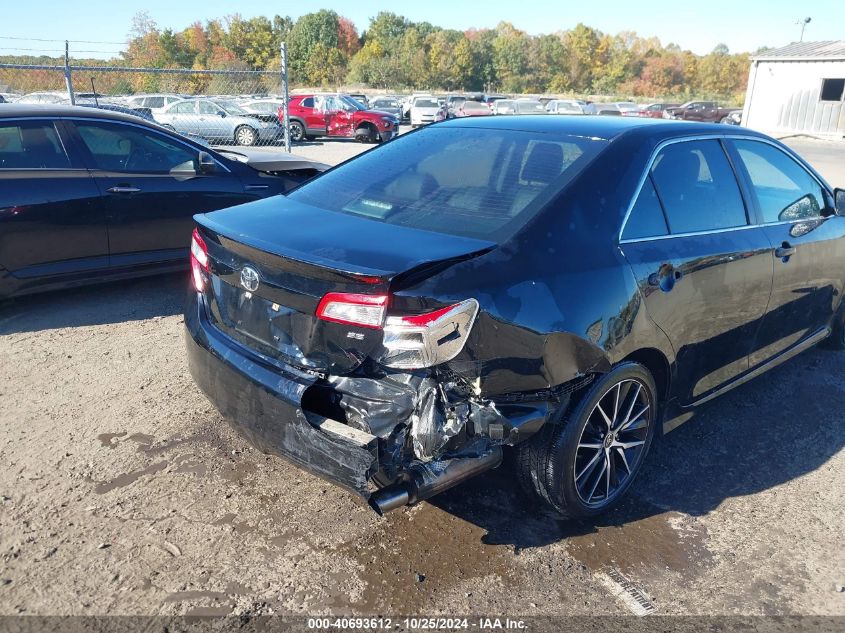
<point>657,364</point>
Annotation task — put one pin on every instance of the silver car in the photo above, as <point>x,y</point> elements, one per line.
<point>219,122</point>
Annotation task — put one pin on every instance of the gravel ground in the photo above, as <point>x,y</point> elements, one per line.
<point>124,492</point>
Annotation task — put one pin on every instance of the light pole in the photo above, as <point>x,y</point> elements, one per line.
<point>803,24</point>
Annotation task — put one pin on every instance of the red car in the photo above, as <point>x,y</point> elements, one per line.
<point>472,108</point>
<point>655,110</point>
<point>338,115</point>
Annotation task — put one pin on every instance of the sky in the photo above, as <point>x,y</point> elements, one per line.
<point>744,25</point>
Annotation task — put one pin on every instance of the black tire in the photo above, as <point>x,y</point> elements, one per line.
<point>245,135</point>
<point>297,132</point>
<point>724,120</point>
<point>559,468</point>
<point>371,136</point>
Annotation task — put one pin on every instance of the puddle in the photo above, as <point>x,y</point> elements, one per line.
<point>106,438</point>
<point>660,542</point>
<point>128,478</point>
<point>440,546</point>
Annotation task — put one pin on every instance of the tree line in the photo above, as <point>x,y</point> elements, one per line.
<point>326,49</point>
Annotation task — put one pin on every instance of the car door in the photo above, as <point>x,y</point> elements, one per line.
<point>806,237</point>
<point>52,220</point>
<point>704,270</point>
<point>182,117</point>
<point>315,118</point>
<point>151,188</point>
<point>212,123</point>
<point>339,118</point>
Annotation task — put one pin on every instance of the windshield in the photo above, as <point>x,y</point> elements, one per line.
<point>231,107</point>
<point>385,103</point>
<point>530,106</point>
<point>426,103</point>
<point>466,181</point>
<point>352,103</point>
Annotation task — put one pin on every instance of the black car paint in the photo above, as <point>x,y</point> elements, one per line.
<point>564,299</point>
<point>63,227</point>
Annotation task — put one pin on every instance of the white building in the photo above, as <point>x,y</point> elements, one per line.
<point>798,88</point>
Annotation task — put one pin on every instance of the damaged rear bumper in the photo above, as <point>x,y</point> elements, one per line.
<point>263,400</point>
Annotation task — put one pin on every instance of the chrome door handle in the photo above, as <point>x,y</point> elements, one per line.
<point>123,190</point>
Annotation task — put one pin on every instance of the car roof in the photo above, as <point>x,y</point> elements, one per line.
<point>599,127</point>
<point>18,110</point>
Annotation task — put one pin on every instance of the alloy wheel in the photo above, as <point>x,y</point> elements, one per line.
<point>613,442</point>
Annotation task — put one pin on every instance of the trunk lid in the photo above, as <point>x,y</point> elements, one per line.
<point>300,253</point>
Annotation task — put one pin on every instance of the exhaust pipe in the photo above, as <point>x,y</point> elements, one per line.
<point>424,480</point>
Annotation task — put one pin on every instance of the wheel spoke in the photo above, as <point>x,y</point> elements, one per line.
<point>627,445</point>
<point>590,445</point>
<point>616,402</point>
<point>627,425</point>
<point>621,452</point>
<point>631,405</point>
<point>596,483</point>
<point>607,479</point>
<point>589,467</point>
<point>607,420</point>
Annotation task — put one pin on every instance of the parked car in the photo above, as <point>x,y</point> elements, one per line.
<point>565,106</point>
<point>424,110</point>
<point>362,99</point>
<point>263,107</point>
<point>528,106</point>
<point>472,108</point>
<point>338,115</point>
<point>602,109</point>
<point>143,113</point>
<point>129,212</point>
<point>627,108</point>
<point>154,102</point>
<point>423,330</point>
<point>491,99</point>
<point>218,122</point>
<point>44,97</point>
<point>655,110</point>
<point>391,105</point>
<point>503,106</point>
<point>734,117</point>
<point>706,111</point>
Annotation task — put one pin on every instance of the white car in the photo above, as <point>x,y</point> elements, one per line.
<point>155,103</point>
<point>423,110</point>
<point>261,106</point>
<point>565,106</point>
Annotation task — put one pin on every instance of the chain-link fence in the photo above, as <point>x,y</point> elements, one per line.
<point>218,107</point>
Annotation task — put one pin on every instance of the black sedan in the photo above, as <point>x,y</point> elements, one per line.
<point>90,195</point>
<point>567,286</point>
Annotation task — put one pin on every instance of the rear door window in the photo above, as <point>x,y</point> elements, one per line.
<point>785,190</point>
<point>698,188</point>
<point>462,181</point>
<point>31,145</point>
<point>646,218</point>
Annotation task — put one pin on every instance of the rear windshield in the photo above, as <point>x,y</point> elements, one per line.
<point>426,103</point>
<point>471,182</point>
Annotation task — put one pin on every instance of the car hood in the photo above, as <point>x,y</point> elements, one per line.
<point>272,159</point>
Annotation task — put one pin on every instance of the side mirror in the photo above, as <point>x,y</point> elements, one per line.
<point>222,114</point>
<point>839,201</point>
<point>207,164</point>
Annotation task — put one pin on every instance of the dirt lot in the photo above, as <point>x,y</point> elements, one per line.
<point>124,492</point>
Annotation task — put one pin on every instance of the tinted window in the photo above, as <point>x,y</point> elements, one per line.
<point>31,145</point>
<point>116,147</point>
<point>646,218</point>
<point>462,181</point>
<point>308,103</point>
<point>784,189</point>
<point>698,188</point>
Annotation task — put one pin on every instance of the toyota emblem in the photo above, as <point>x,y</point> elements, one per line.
<point>249,278</point>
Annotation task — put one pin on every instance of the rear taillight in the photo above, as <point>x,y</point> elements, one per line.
<point>353,309</point>
<point>425,340</point>
<point>199,261</point>
<point>410,342</point>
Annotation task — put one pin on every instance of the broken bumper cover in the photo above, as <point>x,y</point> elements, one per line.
<point>263,400</point>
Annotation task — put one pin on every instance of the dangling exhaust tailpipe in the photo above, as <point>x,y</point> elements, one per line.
<point>424,480</point>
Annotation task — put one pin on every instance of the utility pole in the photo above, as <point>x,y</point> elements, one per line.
<point>286,117</point>
<point>68,81</point>
<point>803,24</point>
